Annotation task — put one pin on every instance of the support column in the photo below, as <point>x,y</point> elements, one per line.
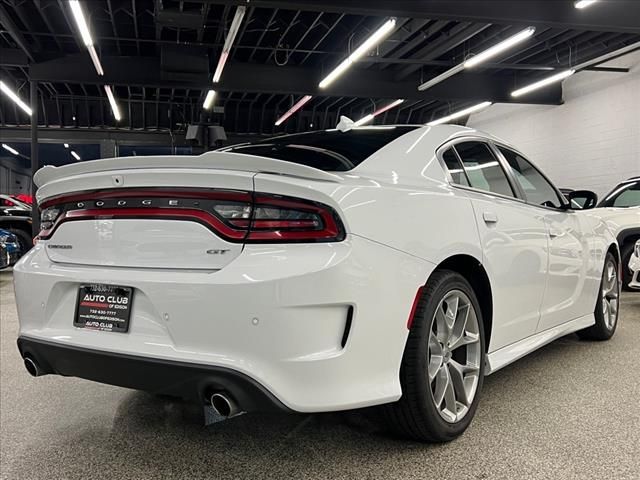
<point>35,163</point>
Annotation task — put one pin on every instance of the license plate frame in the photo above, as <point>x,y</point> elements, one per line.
<point>103,307</point>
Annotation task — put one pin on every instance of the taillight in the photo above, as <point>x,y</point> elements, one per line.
<point>48,216</point>
<point>235,216</point>
<point>284,219</point>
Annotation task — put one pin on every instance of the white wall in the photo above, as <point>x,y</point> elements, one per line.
<point>592,141</point>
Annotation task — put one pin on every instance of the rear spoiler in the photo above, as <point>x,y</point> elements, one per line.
<point>210,160</point>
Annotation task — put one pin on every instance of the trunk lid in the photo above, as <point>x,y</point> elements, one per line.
<point>155,212</point>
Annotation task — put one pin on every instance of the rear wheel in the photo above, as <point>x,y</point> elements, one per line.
<point>24,239</point>
<point>443,364</point>
<point>607,305</point>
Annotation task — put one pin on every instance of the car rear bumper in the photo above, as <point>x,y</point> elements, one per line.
<point>188,380</point>
<point>321,327</point>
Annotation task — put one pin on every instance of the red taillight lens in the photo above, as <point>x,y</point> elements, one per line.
<point>235,216</point>
<point>282,219</point>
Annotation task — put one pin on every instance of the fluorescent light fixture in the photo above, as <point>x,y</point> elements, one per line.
<point>83,27</point>
<point>96,61</point>
<point>481,57</point>
<point>366,46</point>
<point>228,43</point>
<point>371,116</point>
<point>443,76</point>
<point>81,22</point>
<point>297,106</point>
<point>9,149</point>
<point>363,120</point>
<point>461,113</point>
<point>112,102</point>
<point>13,96</point>
<point>542,83</point>
<point>500,47</point>
<point>208,100</point>
<point>75,155</point>
<point>66,145</point>
<point>583,3</point>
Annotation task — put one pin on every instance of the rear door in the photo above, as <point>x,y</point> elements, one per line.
<point>573,276</point>
<point>513,237</point>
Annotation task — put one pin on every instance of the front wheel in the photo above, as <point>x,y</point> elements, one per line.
<point>607,305</point>
<point>442,368</point>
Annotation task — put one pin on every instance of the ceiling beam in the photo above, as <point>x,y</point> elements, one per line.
<point>13,57</point>
<point>256,78</point>
<point>607,16</point>
<point>14,31</point>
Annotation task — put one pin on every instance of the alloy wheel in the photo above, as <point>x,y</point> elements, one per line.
<point>454,354</point>
<point>610,294</point>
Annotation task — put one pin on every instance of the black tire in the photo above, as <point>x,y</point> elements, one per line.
<point>24,239</point>
<point>601,330</point>
<point>627,274</point>
<point>415,415</point>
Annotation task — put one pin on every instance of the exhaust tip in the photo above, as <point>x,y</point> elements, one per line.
<point>224,405</point>
<point>31,367</point>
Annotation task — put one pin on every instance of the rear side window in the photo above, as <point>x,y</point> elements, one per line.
<point>624,195</point>
<point>537,189</point>
<point>328,150</point>
<point>483,169</point>
<point>454,167</point>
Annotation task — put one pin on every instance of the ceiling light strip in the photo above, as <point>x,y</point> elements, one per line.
<point>371,116</point>
<point>231,36</point>
<point>558,77</point>
<point>14,96</point>
<point>499,48</point>
<point>297,106</point>
<point>365,47</point>
<point>208,100</point>
<point>10,149</point>
<point>460,114</point>
<point>112,102</point>
<point>580,4</point>
<point>481,57</point>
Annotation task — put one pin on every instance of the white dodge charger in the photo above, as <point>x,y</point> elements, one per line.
<point>323,271</point>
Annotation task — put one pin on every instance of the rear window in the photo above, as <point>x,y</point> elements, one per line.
<point>328,150</point>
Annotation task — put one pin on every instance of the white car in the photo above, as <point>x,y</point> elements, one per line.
<point>634,266</point>
<point>620,209</point>
<point>314,272</point>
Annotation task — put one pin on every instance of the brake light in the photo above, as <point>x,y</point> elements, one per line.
<point>281,219</point>
<point>235,216</point>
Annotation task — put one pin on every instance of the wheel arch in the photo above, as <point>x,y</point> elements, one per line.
<point>628,235</point>
<point>473,270</point>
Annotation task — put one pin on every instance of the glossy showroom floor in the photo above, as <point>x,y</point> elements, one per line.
<point>569,410</point>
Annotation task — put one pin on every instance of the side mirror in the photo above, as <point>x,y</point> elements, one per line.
<point>582,200</point>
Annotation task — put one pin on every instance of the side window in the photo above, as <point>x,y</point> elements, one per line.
<point>629,197</point>
<point>537,189</point>
<point>483,169</point>
<point>455,168</point>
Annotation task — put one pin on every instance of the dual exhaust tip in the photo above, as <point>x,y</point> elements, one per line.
<point>221,403</point>
<point>224,405</point>
<point>32,367</point>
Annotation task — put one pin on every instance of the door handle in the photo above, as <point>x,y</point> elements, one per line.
<point>554,233</point>
<point>490,217</point>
